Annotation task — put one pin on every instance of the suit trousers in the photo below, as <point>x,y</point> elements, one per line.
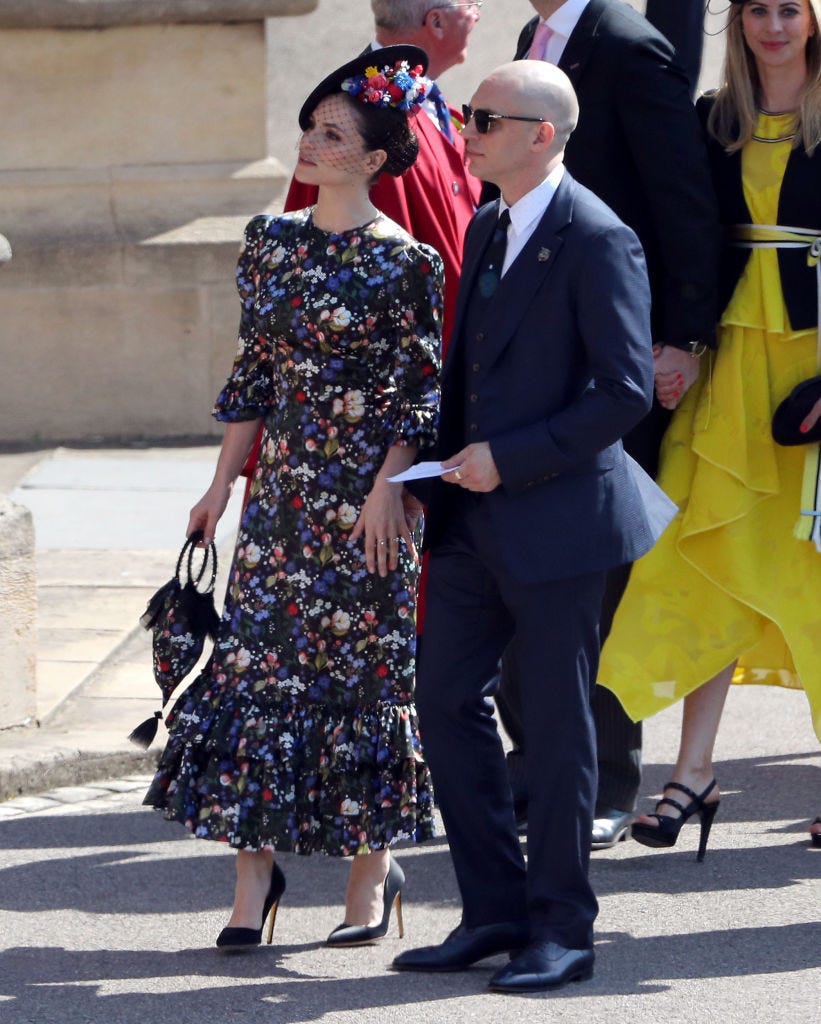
<point>476,607</point>
<point>618,738</point>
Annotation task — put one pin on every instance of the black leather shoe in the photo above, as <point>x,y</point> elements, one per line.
<point>465,946</point>
<point>610,826</point>
<point>543,965</point>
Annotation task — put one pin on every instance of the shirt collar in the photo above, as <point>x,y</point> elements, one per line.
<point>531,207</point>
<point>565,19</point>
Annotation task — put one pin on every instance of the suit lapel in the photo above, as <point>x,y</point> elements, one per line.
<point>521,283</point>
<point>524,278</point>
<point>580,44</point>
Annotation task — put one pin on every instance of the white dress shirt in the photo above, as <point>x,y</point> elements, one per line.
<point>526,214</point>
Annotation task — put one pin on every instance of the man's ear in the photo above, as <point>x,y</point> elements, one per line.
<point>545,134</point>
<point>434,23</point>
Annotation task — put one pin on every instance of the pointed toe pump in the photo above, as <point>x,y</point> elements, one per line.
<point>236,940</point>
<point>668,828</point>
<point>367,935</point>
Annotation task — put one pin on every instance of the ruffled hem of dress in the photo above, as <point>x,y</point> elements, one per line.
<point>295,778</point>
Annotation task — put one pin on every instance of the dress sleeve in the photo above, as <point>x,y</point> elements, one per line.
<point>248,390</point>
<point>417,364</point>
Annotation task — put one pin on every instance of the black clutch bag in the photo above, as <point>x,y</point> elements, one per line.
<point>179,616</point>
<point>792,412</point>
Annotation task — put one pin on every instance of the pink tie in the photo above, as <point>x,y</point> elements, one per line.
<point>542,36</point>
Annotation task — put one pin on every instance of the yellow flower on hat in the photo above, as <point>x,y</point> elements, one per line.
<point>371,71</point>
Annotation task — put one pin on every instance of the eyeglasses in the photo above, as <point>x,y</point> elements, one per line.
<point>484,118</point>
<point>477,4</point>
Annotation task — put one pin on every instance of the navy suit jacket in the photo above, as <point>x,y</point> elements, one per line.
<point>566,370</point>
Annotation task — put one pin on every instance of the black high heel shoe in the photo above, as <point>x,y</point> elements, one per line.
<point>235,940</point>
<point>366,935</point>
<point>815,837</point>
<point>668,828</point>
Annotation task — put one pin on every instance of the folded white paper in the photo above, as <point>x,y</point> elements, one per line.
<point>421,471</point>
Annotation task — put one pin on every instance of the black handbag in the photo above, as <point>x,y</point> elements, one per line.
<point>179,616</point>
<point>792,412</point>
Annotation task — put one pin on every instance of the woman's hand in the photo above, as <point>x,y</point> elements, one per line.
<point>383,523</point>
<point>675,372</point>
<point>206,513</point>
<point>811,418</point>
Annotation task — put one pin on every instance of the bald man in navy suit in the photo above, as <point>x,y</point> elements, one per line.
<point>550,364</point>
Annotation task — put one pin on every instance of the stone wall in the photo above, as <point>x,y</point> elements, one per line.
<point>134,152</point>
<point>18,640</point>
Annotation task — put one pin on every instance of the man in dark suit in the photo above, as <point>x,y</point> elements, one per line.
<point>682,22</point>
<point>550,364</point>
<point>639,147</point>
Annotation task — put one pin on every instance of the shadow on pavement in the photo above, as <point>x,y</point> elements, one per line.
<point>57,979</point>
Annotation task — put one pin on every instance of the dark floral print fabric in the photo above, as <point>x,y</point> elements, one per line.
<point>301,734</point>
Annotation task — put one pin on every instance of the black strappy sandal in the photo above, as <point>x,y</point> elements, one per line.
<point>668,828</point>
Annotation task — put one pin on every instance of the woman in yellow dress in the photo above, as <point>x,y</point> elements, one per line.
<point>730,592</point>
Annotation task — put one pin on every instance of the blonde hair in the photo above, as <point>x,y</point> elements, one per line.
<point>734,113</point>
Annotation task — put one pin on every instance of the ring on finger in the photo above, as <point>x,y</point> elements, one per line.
<point>457,475</point>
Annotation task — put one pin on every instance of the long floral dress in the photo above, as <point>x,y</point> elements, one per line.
<point>301,734</point>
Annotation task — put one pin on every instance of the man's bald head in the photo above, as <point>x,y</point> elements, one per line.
<point>534,88</point>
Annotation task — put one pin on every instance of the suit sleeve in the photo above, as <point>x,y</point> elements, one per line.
<point>664,137</point>
<point>612,303</point>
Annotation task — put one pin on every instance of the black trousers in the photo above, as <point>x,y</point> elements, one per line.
<point>475,609</point>
<point>682,21</point>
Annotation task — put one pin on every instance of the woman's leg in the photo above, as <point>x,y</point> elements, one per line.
<point>699,728</point>
<point>253,883</point>
<point>366,881</point>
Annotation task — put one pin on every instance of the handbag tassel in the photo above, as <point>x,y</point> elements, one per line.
<point>143,736</point>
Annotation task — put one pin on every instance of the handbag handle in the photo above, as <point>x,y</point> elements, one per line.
<point>209,555</point>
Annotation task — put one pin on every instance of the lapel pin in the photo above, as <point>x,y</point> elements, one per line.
<point>544,255</point>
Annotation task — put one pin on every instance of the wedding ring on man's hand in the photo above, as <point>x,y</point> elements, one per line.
<point>457,474</point>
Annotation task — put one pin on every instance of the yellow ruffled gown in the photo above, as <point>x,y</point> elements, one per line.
<point>728,578</point>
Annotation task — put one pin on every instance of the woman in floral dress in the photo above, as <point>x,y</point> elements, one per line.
<point>301,734</point>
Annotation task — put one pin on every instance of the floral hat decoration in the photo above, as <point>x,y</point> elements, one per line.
<point>392,77</point>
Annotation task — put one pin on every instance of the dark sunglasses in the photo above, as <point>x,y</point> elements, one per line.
<point>484,118</point>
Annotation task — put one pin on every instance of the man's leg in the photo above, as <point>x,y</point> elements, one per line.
<point>557,624</point>
<point>618,738</point>
<point>466,630</point>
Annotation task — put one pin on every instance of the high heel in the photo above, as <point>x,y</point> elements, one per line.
<point>815,837</point>
<point>232,940</point>
<point>668,828</point>
<point>366,935</point>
